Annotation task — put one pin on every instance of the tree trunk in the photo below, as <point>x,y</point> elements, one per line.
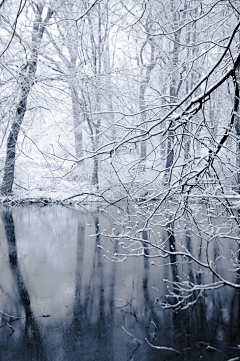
<point>26,80</point>
<point>237,128</point>
<point>147,69</point>
<point>95,171</point>
<point>109,87</point>
<point>8,176</point>
<point>237,124</point>
<point>173,94</point>
<point>95,142</point>
<point>77,122</point>
<point>142,106</point>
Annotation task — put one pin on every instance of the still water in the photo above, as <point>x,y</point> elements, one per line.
<point>60,299</point>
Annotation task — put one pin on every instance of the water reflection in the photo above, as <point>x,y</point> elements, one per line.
<point>31,337</point>
<point>65,301</point>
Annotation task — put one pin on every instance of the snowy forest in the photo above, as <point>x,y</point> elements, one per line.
<point>119,179</point>
<point>131,103</point>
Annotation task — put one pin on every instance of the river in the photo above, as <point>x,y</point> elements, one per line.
<point>61,299</point>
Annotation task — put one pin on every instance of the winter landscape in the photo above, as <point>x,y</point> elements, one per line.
<point>120,180</point>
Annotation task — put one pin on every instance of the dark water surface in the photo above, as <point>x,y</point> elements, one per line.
<point>60,299</point>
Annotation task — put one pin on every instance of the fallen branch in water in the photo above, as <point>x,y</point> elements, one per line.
<point>163,348</point>
<point>6,314</point>
<point>134,339</point>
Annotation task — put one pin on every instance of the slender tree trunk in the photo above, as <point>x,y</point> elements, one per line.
<point>237,128</point>
<point>77,122</point>
<point>147,69</point>
<point>142,106</point>
<point>95,171</point>
<point>173,94</point>
<point>26,80</point>
<point>96,132</point>
<point>97,52</point>
<point>171,133</point>
<point>95,136</point>
<point>187,138</point>
<point>109,87</point>
<point>74,85</point>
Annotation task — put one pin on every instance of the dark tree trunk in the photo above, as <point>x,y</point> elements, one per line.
<point>8,176</point>
<point>237,129</point>
<point>26,80</point>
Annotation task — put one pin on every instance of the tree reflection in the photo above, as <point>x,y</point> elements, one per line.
<point>172,248</point>
<point>146,267</point>
<point>91,329</point>
<point>32,336</point>
<point>150,320</point>
<point>187,228</point>
<point>234,335</point>
<point>77,308</point>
